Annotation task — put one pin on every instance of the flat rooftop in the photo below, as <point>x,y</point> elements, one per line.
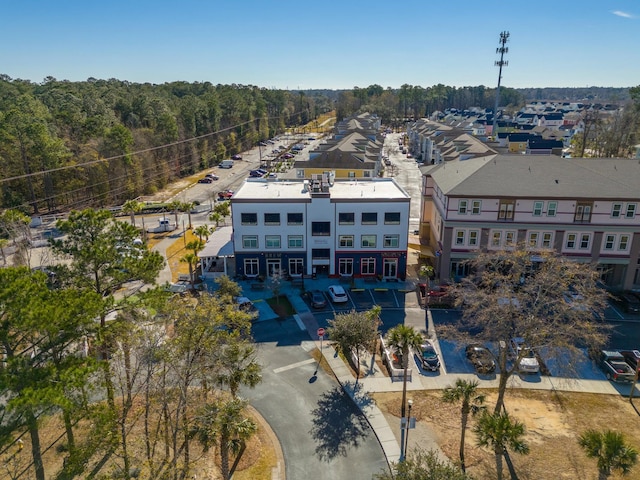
<point>296,190</point>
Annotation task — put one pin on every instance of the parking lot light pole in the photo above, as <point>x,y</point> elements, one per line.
<point>408,426</point>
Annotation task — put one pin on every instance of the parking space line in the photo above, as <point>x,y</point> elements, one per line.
<point>617,312</point>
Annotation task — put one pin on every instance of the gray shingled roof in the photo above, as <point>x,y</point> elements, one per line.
<point>539,176</point>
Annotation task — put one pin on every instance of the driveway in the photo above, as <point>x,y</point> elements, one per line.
<point>322,433</point>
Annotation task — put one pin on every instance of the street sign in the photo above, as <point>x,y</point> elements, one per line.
<point>321,332</point>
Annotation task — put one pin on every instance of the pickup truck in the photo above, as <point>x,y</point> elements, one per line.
<point>615,367</point>
<point>225,195</point>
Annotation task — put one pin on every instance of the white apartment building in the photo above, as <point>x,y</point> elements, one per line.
<point>345,228</point>
<point>585,208</point>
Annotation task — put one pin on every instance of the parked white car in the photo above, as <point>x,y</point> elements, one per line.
<point>337,294</point>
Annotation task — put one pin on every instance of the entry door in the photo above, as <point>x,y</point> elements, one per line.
<point>273,267</point>
<point>390,268</point>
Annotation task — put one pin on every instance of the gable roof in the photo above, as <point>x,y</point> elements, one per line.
<point>539,176</point>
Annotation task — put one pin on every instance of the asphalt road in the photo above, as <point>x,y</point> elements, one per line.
<point>322,433</point>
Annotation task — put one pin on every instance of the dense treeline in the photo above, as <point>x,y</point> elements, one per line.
<point>414,101</point>
<point>98,143</point>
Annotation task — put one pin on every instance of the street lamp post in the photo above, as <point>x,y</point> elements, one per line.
<point>408,426</point>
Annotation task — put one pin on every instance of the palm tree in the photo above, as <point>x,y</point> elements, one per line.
<point>466,392</point>
<point>190,259</point>
<point>175,206</point>
<point>187,207</point>
<point>612,452</point>
<point>499,431</point>
<point>131,207</point>
<point>203,232</point>
<point>223,422</point>
<point>403,338</point>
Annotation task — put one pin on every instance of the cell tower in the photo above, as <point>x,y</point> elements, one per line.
<point>502,49</point>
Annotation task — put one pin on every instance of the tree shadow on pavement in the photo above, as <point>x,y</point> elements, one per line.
<point>338,425</point>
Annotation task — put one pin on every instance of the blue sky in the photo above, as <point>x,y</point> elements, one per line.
<point>323,44</point>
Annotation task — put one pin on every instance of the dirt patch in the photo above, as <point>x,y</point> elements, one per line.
<point>553,420</point>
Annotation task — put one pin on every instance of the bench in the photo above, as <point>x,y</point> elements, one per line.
<point>257,286</point>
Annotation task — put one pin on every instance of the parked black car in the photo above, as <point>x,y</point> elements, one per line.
<point>629,302</point>
<point>429,357</point>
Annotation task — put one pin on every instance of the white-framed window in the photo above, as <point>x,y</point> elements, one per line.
<point>571,241</point>
<point>462,206</point>
<point>552,209</point>
<point>631,210</point>
<point>509,238</point>
<point>272,241</point>
<point>368,241</point>
<point>366,174</point>
<point>460,237</point>
<point>476,207</point>
<point>496,238</point>
<point>585,241</point>
<point>391,241</point>
<point>532,239</point>
<point>295,241</point>
<point>616,210</point>
<point>368,266</point>
<point>547,239</point>
<point>249,241</point>
<point>296,266</point>
<point>351,174</point>
<point>345,266</point>
<point>609,241</point>
<point>474,236</point>
<point>623,242</point>
<point>345,241</point>
<point>537,208</point>
<point>251,267</point>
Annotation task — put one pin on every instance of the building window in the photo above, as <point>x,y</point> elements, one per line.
<point>295,241</point>
<point>505,212</point>
<point>300,173</point>
<point>616,210</point>
<point>623,243</point>
<point>346,241</point>
<point>368,241</point>
<point>345,266</point>
<point>473,238</point>
<point>249,218</point>
<point>537,208</point>
<point>585,241</point>
<point>583,212</point>
<point>320,253</point>
<point>476,207</point>
<point>251,267</point>
<point>509,238</point>
<point>631,210</point>
<point>351,174</point>
<point>460,237</point>
<point>272,241</point>
<point>391,241</point>
<point>294,219</point>
<point>571,240</point>
<point>346,218</point>
<point>272,219</point>
<point>369,218</point>
<point>496,238</point>
<point>552,208</point>
<point>533,239</point>
<point>296,266</point>
<point>368,266</point>
<point>609,241</point>
<point>320,229</point>
<point>547,239</point>
<point>462,207</point>
<point>366,174</point>
<point>392,218</point>
<point>249,241</point>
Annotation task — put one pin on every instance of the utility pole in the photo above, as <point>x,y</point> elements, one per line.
<point>502,49</point>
